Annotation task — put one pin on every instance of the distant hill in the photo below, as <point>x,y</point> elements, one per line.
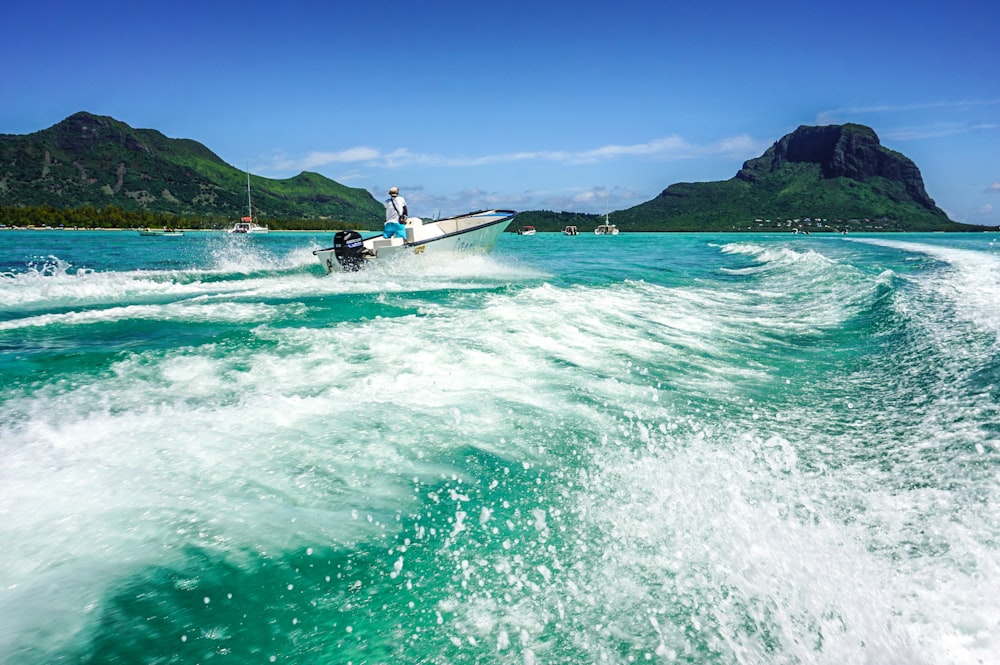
<point>839,176</point>
<point>91,160</point>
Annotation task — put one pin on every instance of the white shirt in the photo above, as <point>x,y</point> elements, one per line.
<point>392,213</point>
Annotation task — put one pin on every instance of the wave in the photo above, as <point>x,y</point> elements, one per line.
<point>806,290</point>
<point>230,312</point>
<point>56,284</point>
<point>771,462</point>
<point>971,284</point>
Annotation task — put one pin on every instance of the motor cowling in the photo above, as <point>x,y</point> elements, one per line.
<point>349,249</point>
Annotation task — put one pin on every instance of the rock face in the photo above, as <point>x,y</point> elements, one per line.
<point>842,151</point>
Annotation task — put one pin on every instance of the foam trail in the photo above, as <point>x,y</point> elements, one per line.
<point>783,453</point>
<point>973,285</point>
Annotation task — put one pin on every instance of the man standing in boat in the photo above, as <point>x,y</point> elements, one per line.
<point>395,215</point>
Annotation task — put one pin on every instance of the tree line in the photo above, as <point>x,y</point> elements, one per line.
<point>113,217</point>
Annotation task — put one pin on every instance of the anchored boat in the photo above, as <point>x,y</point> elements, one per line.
<point>473,233</point>
<point>607,228</point>
<point>248,223</point>
<point>164,233</point>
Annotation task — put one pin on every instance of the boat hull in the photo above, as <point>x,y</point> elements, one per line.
<point>474,233</point>
<point>248,228</point>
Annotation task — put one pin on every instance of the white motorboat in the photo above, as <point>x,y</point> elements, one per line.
<point>473,233</point>
<point>165,233</point>
<point>248,223</point>
<point>570,231</point>
<point>526,231</point>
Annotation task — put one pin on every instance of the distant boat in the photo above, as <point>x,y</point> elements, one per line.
<point>607,228</point>
<point>165,233</point>
<point>248,224</point>
<point>526,231</point>
<point>570,231</point>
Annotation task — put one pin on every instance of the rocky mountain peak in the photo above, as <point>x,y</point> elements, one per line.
<point>842,151</point>
<point>81,130</point>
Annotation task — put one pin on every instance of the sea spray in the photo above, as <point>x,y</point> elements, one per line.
<point>674,448</point>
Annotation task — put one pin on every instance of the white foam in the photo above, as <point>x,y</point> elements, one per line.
<point>229,312</point>
<point>724,541</point>
<point>972,285</point>
<point>698,531</point>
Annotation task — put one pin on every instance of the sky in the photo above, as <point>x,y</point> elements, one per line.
<point>525,105</point>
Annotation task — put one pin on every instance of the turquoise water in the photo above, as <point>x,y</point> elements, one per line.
<point>668,448</point>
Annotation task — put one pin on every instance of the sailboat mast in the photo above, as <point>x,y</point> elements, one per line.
<point>249,203</point>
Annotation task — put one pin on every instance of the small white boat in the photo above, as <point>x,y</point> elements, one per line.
<point>570,231</point>
<point>248,224</point>
<point>165,233</point>
<point>526,231</point>
<point>474,233</point>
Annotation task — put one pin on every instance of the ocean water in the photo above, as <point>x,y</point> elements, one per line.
<point>664,448</point>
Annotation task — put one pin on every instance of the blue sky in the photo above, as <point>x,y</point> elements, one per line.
<point>521,104</point>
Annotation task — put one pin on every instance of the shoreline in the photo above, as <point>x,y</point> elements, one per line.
<point>136,230</point>
<point>77,229</point>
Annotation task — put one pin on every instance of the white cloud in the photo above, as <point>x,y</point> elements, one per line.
<point>994,188</point>
<point>741,145</point>
<point>589,196</point>
<point>663,148</point>
<point>589,200</point>
<point>921,130</point>
<point>316,159</point>
<point>935,130</point>
<point>669,147</point>
<point>833,115</point>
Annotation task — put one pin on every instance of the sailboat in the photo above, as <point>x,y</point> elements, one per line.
<point>607,228</point>
<point>248,224</point>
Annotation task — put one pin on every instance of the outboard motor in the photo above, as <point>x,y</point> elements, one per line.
<point>349,250</point>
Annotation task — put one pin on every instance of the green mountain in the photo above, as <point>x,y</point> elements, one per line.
<point>830,177</point>
<point>837,176</point>
<point>90,160</point>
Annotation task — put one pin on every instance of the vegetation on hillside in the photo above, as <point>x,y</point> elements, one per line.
<point>792,194</point>
<point>111,217</point>
<point>89,161</point>
<point>831,178</point>
<point>93,171</point>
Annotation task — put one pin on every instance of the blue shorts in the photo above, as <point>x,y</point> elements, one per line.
<point>394,229</point>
